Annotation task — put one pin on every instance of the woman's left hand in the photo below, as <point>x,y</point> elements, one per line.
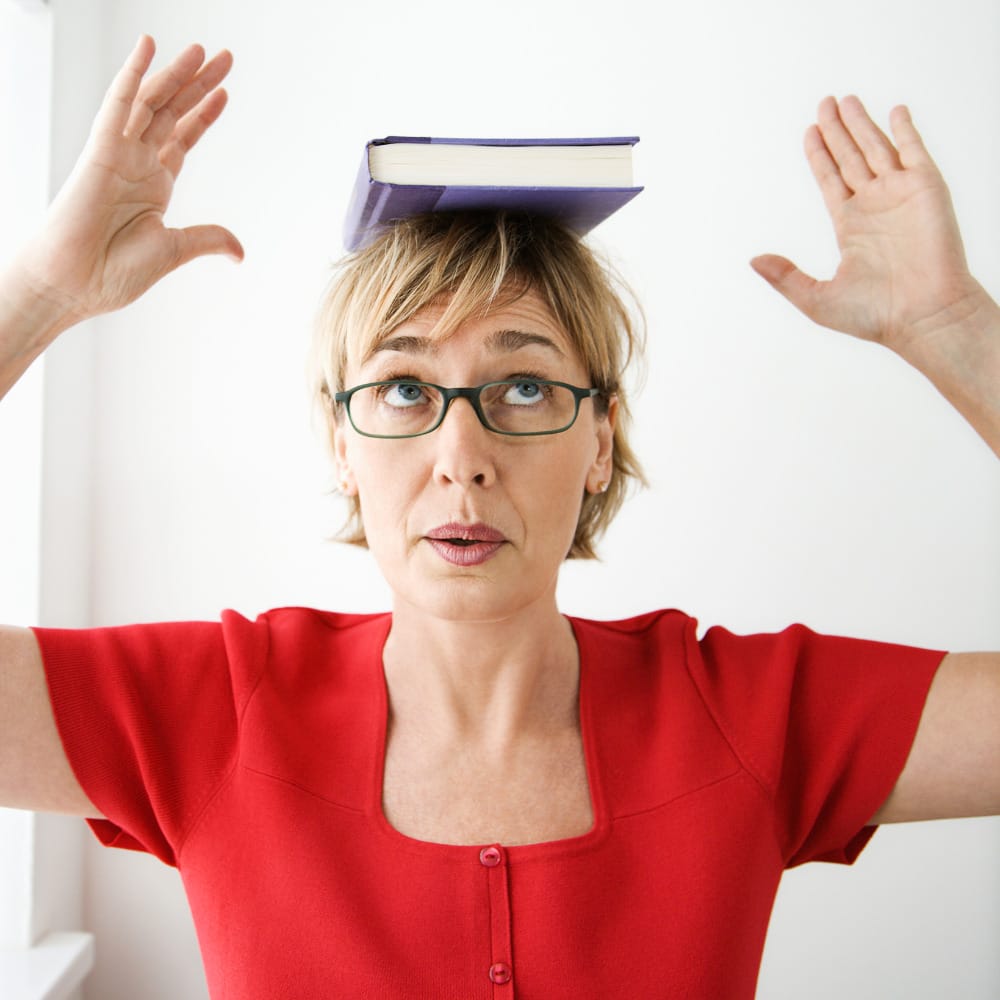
<point>902,274</point>
<point>903,282</point>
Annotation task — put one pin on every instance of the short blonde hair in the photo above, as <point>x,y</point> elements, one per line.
<point>472,262</point>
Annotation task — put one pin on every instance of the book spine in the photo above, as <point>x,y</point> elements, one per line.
<point>375,204</point>
<point>361,206</point>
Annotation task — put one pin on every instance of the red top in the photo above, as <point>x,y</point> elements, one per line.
<point>250,755</point>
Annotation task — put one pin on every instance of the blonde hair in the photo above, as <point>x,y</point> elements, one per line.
<point>472,262</point>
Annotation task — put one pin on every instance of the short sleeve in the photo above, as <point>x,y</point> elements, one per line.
<point>148,716</point>
<point>824,724</point>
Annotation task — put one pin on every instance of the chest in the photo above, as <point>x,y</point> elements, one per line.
<point>670,902</point>
<point>460,794</point>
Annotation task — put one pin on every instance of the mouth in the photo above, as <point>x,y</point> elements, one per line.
<point>465,544</point>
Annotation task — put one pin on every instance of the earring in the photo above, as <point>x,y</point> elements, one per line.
<point>602,486</point>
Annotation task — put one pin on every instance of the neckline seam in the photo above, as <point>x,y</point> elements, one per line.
<point>596,835</point>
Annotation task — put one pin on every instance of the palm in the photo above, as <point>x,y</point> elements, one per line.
<point>902,262</point>
<point>105,241</point>
<point>113,235</point>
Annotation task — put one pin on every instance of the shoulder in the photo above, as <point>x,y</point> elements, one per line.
<point>301,635</point>
<point>752,667</point>
<point>297,643</point>
<point>646,625</point>
<point>305,622</point>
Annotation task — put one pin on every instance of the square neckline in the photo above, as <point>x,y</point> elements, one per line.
<point>469,852</point>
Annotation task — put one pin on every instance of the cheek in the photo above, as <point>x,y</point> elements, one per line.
<point>387,482</point>
<point>555,486</point>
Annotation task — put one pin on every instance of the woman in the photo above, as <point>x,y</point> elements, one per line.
<point>473,795</point>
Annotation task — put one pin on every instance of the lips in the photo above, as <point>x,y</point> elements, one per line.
<point>466,533</point>
<point>465,544</point>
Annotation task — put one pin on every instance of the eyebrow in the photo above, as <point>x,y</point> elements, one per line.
<point>500,341</point>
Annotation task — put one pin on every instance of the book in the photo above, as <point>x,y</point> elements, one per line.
<point>577,181</point>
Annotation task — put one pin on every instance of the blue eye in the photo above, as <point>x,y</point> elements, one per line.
<point>404,394</point>
<point>523,393</point>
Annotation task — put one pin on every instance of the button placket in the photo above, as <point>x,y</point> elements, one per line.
<point>494,859</point>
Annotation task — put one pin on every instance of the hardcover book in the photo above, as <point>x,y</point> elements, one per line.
<point>577,181</point>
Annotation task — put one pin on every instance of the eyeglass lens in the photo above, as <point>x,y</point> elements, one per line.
<point>519,406</point>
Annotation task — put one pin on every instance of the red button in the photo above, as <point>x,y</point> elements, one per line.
<point>500,973</point>
<point>490,856</point>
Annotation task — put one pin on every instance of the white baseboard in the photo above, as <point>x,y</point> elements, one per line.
<point>52,970</point>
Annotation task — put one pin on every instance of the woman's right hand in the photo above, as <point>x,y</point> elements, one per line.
<point>104,241</point>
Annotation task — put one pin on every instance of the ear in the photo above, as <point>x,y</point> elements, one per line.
<point>600,472</point>
<point>346,483</point>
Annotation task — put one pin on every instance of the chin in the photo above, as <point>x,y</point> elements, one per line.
<point>469,598</point>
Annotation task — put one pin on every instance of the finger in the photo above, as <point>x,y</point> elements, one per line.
<point>190,129</point>
<point>159,89</point>
<point>200,241</point>
<point>209,77</point>
<point>831,185</point>
<point>796,286</point>
<point>912,151</point>
<point>845,151</point>
<point>874,144</point>
<point>118,101</point>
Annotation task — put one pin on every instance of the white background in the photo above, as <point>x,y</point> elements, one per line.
<point>796,475</point>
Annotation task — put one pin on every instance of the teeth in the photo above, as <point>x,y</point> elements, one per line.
<point>463,541</point>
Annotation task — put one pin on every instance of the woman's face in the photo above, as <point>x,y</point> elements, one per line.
<point>512,503</point>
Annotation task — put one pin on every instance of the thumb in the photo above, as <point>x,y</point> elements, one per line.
<point>199,241</point>
<point>783,276</point>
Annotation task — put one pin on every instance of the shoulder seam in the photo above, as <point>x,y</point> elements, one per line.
<point>239,711</point>
<point>733,743</point>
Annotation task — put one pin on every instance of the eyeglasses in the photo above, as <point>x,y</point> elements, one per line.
<point>521,407</point>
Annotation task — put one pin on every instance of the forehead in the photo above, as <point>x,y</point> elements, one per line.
<point>524,323</point>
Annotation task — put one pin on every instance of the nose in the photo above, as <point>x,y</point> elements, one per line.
<point>465,449</point>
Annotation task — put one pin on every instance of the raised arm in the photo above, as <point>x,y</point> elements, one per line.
<point>103,243</point>
<point>903,282</point>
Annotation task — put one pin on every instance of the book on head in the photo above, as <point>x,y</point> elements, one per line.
<point>578,181</point>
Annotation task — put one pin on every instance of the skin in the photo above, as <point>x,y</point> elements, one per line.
<point>903,282</point>
<point>530,489</point>
<point>497,678</point>
<point>496,690</point>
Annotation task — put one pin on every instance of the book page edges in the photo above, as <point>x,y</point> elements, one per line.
<point>533,165</point>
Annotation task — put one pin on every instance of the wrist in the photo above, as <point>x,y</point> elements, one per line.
<point>32,314</point>
<point>963,326</point>
<point>31,317</point>
<point>958,350</point>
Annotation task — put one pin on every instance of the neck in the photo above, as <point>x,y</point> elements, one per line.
<point>484,682</point>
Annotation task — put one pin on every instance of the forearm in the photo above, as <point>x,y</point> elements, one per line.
<point>30,320</point>
<point>961,357</point>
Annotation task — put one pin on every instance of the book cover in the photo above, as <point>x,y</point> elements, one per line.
<point>374,203</point>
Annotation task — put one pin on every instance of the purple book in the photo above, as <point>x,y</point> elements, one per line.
<point>577,181</point>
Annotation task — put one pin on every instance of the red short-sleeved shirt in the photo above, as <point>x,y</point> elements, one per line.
<point>250,755</point>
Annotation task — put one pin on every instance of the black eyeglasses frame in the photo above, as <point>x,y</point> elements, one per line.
<point>472,394</point>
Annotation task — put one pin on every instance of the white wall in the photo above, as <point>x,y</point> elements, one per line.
<point>796,475</point>
<point>40,883</point>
